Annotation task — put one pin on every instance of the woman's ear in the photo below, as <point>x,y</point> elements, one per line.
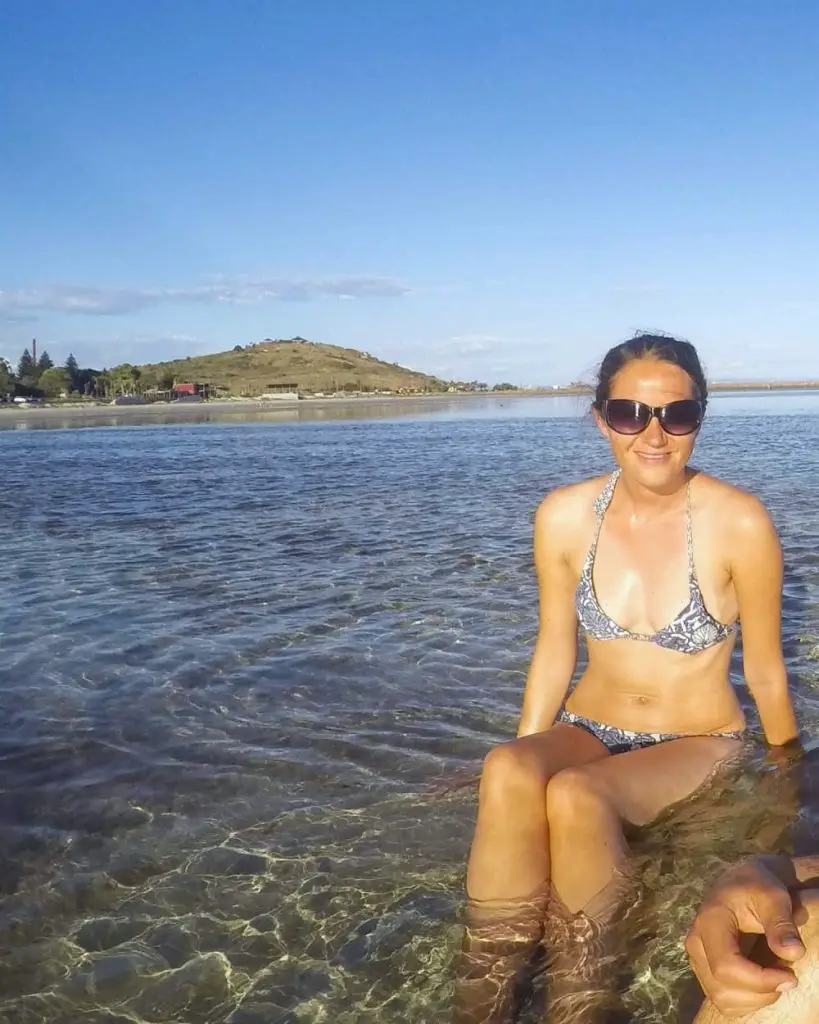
<point>601,423</point>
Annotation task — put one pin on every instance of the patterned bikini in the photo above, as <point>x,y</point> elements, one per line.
<point>692,631</point>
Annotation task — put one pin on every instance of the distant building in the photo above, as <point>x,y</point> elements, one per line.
<point>280,391</point>
<point>129,400</point>
<point>191,390</point>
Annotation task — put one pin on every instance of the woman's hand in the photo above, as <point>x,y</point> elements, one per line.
<point>748,899</point>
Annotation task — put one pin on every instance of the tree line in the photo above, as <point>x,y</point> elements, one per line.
<point>40,378</point>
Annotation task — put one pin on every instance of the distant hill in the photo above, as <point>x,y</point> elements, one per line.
<point>311,366</point>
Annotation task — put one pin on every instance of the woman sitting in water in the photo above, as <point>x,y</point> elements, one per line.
<point>656,563</point>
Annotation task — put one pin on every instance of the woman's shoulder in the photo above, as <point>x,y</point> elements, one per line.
<point>729,505</point>
<point>567,506</point>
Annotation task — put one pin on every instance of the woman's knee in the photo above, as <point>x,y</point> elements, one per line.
<point>572,795</point>
<point>509,769</point>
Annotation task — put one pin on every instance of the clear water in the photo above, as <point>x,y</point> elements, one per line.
<point>238,664</point>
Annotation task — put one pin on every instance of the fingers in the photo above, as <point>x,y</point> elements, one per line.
<point>735,984</point>
<point>733,990</point>
<point>773,908</point>
<point>783,939</point>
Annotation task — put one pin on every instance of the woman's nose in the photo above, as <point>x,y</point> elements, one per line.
<point>654,433</point>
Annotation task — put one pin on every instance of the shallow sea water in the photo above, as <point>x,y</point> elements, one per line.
<point>240,666</point>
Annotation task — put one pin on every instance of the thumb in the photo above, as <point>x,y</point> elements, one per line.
<point>781,933</point>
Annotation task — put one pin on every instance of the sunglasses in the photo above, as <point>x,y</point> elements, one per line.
<point>627,417</point>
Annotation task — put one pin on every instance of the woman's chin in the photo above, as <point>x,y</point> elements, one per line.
<point>655,470</point>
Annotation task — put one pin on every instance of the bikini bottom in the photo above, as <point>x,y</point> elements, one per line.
<point>619,741</point>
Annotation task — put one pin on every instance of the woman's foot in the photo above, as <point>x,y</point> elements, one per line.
<point>580,986</point>
<point>585,956</point>
<point>494,963</point>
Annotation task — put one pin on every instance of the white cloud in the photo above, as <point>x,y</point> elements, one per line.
<point>103,301</point>
<point>481,344</point>
<point>468,344</point>
<point>16,318</point>
<point>490,357</point>
<point>132,348</point>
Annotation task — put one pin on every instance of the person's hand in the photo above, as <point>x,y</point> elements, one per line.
<point>786,755</point>
<point>747,900</point>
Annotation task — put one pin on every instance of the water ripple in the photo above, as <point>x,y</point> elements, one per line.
<point>240,667</point>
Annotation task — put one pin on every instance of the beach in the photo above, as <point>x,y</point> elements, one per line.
<point>68,415</point>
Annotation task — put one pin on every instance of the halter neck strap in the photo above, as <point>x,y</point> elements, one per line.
<point>603,500</point>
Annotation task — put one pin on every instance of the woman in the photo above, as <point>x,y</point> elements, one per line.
<point>657,563</point>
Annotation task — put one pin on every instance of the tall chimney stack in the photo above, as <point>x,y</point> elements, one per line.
<point>34,350</point>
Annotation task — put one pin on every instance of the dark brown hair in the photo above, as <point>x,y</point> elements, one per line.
<point>651,346</point>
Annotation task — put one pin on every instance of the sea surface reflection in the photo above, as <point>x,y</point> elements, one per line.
<point>241,665</point>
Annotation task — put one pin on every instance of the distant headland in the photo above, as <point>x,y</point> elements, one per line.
<point>292,368</point>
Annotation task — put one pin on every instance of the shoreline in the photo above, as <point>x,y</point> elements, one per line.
<point>80,414</point>
<point>231,405</point>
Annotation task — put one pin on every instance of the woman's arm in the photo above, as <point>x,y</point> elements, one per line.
<point>757,571</point>
<point>555,655</point>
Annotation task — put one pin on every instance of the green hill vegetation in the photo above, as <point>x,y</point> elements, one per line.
<point>284,365</point>
<point>312,367</point>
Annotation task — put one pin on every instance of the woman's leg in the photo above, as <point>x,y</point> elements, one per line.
<point>509,858</point>
<point>586,808</point>
<point>800,1005</point>
<point>508,871</point>
<point>587,805</point>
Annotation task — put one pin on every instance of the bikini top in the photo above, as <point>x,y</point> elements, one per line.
<point>692,631</point>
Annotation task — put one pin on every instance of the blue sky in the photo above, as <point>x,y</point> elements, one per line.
<point>491,190</point>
